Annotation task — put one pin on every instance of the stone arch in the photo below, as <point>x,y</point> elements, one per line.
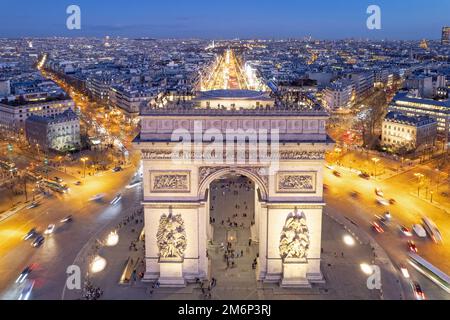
<point>220,172</point>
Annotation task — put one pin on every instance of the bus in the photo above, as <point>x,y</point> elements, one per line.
<point>432,230</point>
<point>430,271</point>
<point>55,186</point>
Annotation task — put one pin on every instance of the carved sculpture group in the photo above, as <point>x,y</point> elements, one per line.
<point>171,236</point>
<point>294,241</point>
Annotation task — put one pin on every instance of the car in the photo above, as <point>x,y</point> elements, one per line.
<point>405,231</point>
<point>30,234</point>
<point>329,167</point>
<point>97,197</point>
<point>377,227</point>
<point>50,229</point>
<point>116,199</point>
<point>387,216</point>
<point>337,173</point>
<point>78,183</point>
<point>418,292</point>
<point>26,291</point>
<point>382,201</point>
<point>38,241</point>
<point>33,204</point>
<point>412,247</point>
<point>392,201</point>
<point>24,274</point>
<point>69,218</point>
<point>355,194</point>
<point>404,271</point>
<point>420,231</point>
<point>117,169</point>
<point>58,179</point>
<point>364,176</point>
<point>379,192</point>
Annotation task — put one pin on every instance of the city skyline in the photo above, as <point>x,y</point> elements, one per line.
<point>250,19</point>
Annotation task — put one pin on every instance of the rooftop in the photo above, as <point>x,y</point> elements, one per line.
<point>401,118</point>
<point>406,97</point>
<point>234,94</point>
<point>68,115</point>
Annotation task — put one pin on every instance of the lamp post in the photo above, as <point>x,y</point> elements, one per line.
<point>375,161</point>
<point>84,159</point>
<point>419,177</point>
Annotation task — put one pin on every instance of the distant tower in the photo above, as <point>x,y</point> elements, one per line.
<point>106,43</point>
<point>424,44</point>
<point>445,40</point>
<point>213,45</point>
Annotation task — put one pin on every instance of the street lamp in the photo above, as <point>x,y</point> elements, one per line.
<point>419,177</point>
<point>84,159</point>
<point>349,240</point>
<point>375,161</point>
<point>367,269</point>
<point>97,264</point>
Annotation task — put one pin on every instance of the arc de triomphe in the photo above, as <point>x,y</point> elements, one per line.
<point>289,182</point>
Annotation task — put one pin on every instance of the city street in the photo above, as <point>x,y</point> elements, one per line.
<point>60,248</point>
<point>362,207</point>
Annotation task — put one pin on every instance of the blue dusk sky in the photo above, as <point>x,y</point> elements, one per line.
<point>322,19</point>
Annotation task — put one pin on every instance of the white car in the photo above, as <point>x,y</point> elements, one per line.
<point>97,197</point>
<point>382,201</point>
<point>379,192</point>
<point>420,231</point>
<point>50,229</point>
<point>116,199</point>
<point>26,291</point>
<point>404,271</point>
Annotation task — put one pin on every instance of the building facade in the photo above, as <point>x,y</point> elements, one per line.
<point>339,96</point>
<point>414,106</point>
<point>59,132</point>
<point>13,114</point>
<point>364,83</point>
<point>411,133</point>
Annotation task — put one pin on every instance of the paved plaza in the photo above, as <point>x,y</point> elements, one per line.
<point>340,263</point>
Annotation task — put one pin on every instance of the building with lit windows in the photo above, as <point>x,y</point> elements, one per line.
<point>59,132</point>
<point>339,95</point>
<point>130,99</point>
<point>413,105</point>
<point>445,40</point>
<point>364,83</point>
<point>401,131</point>
<point>13,114</point>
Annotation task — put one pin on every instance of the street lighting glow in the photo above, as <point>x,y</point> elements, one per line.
<point>112,239</point>
<point>366,268</point>
<point>349,240</point>
<point>98,264</point>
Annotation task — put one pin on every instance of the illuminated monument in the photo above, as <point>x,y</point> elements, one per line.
<point>279,145</point>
